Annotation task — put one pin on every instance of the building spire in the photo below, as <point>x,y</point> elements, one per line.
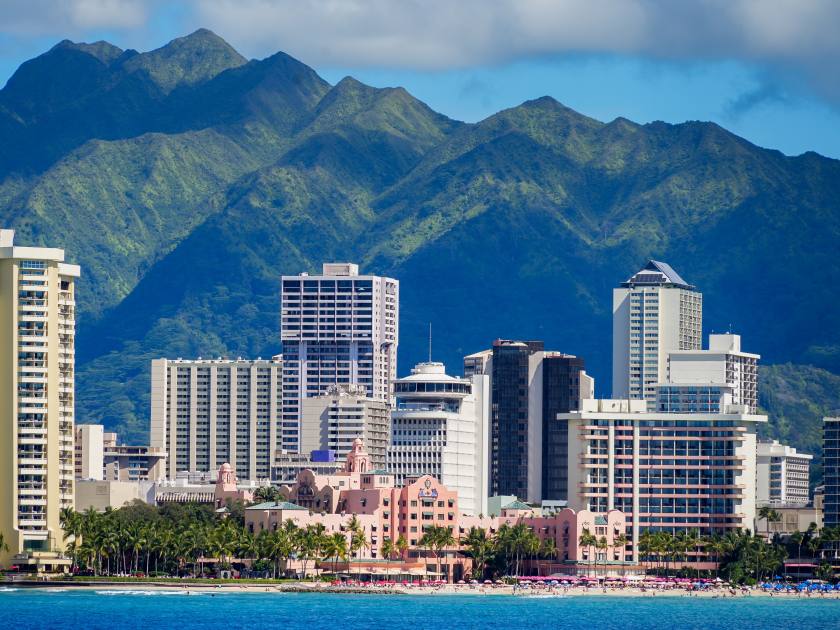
<point>430,342</point>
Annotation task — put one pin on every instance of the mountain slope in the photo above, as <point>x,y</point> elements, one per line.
<point>187,180</point>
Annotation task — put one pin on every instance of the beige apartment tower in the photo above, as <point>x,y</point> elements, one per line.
<point>208,412</point>
<point>37,329</point>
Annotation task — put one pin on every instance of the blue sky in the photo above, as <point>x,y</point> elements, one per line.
<point>766,70</point>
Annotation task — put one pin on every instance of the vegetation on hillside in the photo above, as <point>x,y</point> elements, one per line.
<point>186,180</point>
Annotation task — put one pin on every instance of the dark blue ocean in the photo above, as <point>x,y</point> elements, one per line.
<point>76,610</point>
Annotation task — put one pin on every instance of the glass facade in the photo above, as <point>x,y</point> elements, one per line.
<point>561,394</point>
<point>509,419</point>
<point>831,471</point>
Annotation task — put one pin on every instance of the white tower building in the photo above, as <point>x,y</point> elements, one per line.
<point>336,328</point>
<point>440,427</point>
<point>655,312</point>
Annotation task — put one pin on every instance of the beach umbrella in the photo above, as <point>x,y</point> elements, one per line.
<point>488,581</point>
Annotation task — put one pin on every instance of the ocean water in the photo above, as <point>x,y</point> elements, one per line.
<point>157,610</point>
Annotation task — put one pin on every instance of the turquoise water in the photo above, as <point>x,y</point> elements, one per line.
<point>149,610</point>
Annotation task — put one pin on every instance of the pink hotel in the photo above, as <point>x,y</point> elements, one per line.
<point>385,511</point>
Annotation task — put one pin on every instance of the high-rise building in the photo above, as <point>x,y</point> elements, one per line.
<point>208,412</point>
<point>440,427</point>
<point>563,375</point>
<point>90,451</point>
<point>831,471</point>
<point>723,364</point>
<point>782,475</point>
<point>336,328</point>
<point>332,421</point>
<point>529,387</point>
<point>667,471</point>
<point>655,312</point>
<point>37,332</point>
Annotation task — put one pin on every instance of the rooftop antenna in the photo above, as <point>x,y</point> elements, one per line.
<point>430,342</point>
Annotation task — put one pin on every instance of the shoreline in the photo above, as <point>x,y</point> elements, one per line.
<point>448,590</point>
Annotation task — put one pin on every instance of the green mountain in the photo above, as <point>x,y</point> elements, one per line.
<point>186,180</point>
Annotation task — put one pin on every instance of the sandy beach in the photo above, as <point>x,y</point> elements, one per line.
<point>451,589</point>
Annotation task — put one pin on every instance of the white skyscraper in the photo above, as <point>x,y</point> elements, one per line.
<point>336,328</point>
<point>655,312</point>
<point>441,427</point>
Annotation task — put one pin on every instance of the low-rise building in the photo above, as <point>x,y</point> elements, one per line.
<point>387,511</point>
<point>103,494</point>
<point>124,462</point>
<point>790,519</point>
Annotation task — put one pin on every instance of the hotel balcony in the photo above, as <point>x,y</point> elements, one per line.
<point>32,317</point>
<point>39,502</point>
<point>40,523</point>
<point>38,441</point>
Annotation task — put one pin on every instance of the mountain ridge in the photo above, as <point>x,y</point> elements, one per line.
<point>187,185</point>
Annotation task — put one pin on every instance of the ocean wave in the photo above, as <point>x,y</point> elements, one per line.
<point>7,589</point>
<point>143,592</point>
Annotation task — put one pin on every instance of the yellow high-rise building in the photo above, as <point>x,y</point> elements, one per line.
<point>37,329</point>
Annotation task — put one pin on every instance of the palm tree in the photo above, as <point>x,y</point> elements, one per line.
<point>588,540</point>
<point>601,545</point>
<point>770,515</point>
<point>619,542</point>
<point>401,545</point>
<point>358,539</point>
<point>71,524</point>
<point>480,548</point>
<point>388,549</point>
<point>646,545</point>
<point>443,538</point>
<point>335,547</point>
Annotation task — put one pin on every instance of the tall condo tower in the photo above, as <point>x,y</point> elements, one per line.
<point>655,312</point>
<point>37,329</point>
<point>336,328</point>
<point>529,386</point>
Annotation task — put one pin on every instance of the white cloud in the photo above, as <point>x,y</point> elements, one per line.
<point>797,38</point>
<point>67,18</point>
